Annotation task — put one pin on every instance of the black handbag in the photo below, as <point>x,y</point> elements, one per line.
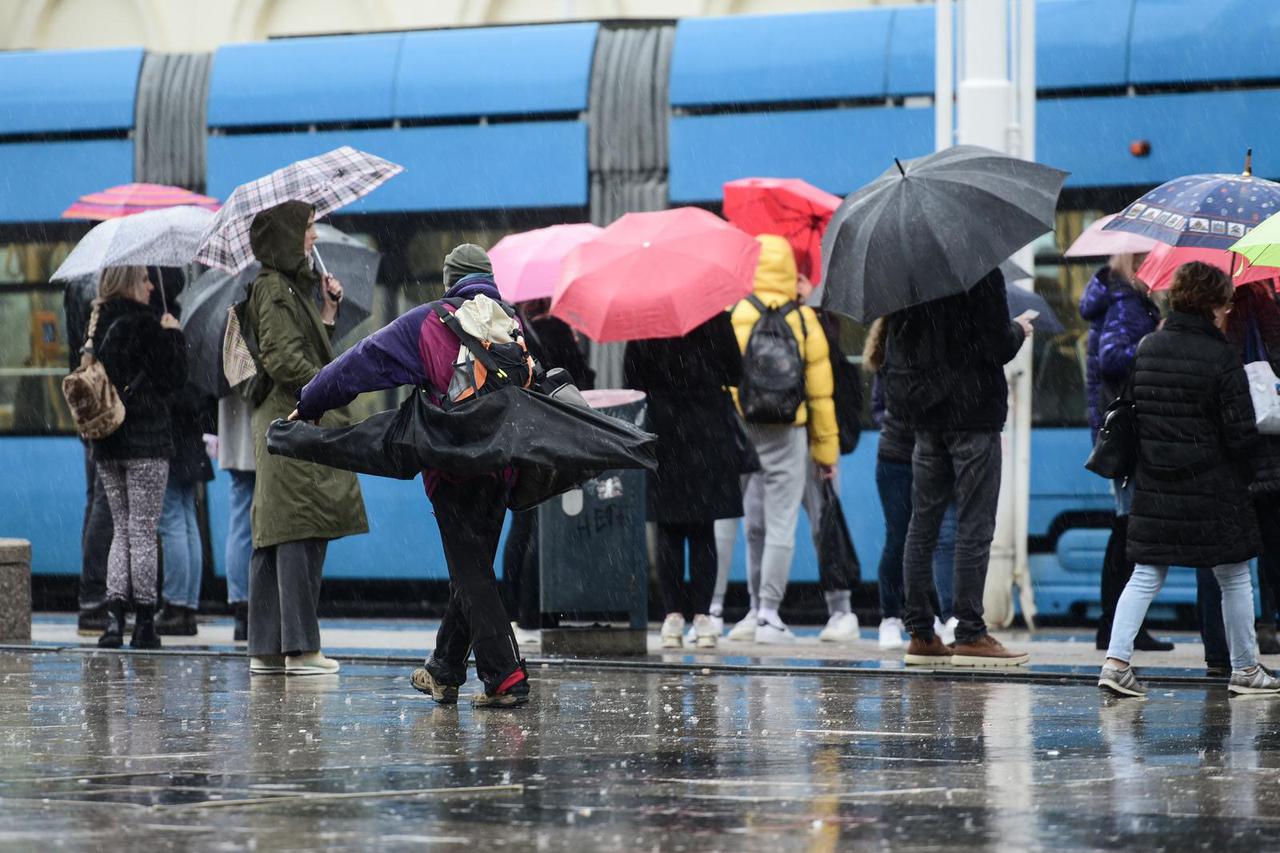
<point>1115,453</point>
<point>838,563</point>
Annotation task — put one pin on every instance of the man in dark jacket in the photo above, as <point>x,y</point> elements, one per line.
<point>944,376</point>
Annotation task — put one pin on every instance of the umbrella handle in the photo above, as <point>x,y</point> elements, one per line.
<point>315,251</point>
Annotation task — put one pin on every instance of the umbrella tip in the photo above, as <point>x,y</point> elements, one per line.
<point>1248,161</point>
<point>898,163</point>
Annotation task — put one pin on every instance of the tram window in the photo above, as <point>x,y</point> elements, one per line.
<point>33,342</point>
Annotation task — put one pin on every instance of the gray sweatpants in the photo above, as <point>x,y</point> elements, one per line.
<point>771,501</point>
<point>284,593</point>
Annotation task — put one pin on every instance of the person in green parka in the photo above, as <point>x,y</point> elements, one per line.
<point>298,507</point>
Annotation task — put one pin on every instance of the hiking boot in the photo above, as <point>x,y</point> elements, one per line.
<point>144,628</point>
<point>113,633</point>
<point>986,651</point>
<point>1144,642</point>
<point>891,631</point>
<point>92,620</point>
<point>1217,670</point>
<point>176,621</point>
<point>240,633</point>
<point>840,628</point>
<point>424,682</point>
<point>1258,681</point>
<point>930,652</point>
<point>706,636</point>
<point>310,663</point>
<point>770,634</point>
<point>672,631</point>
<point>267,665</point>
<point>745,630</point>
<point>1120,681</point>
<point>513,692</point>
<point>1268,644</point>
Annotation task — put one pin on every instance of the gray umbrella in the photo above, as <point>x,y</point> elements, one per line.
<point>205,304</point>
<point>932,227</point>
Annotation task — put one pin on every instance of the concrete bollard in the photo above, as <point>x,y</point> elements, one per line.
<point>15,591</point>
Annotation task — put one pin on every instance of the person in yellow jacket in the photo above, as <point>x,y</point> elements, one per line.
<point>773,495</point>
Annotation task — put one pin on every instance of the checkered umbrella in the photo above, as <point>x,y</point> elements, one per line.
<point>328,182</point>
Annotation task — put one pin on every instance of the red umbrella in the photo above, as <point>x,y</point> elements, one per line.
<point>128,199</point>
<point>655,275</point>
<point>1158,268</point>
<point>789,207</point>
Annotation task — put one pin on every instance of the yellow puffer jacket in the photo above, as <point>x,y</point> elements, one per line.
<point>776,285</point>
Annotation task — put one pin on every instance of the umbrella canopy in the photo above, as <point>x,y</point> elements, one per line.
<point>1209,211</point>
<point>130,199</point>
<point>1097,242</point>
<point>327,182</point>
<point>1261,246</point>
<point>1158,268</point>
<point>527,265</point>
<point>158,238</point>
<point>205,304</point>
<point>788,207</point>
<point>932,227</point>
<point>1020,299</point>
<point>655,275</point>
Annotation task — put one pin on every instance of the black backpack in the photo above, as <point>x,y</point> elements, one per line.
<point>773,367</point>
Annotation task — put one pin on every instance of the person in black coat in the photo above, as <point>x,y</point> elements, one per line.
<point>145,357</point>
<point>691,411</point>
<point>1191,504</point>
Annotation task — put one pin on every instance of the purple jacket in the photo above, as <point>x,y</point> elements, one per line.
<point>1119,317</point>
<point>414,349</point>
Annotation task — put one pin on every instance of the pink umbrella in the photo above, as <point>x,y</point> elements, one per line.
<point>1158,268</point>
<point>1095,242</point>
<point>655,275</point>
<point>527,265</point>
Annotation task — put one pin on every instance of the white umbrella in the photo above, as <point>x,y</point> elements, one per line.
<point>157,238</point>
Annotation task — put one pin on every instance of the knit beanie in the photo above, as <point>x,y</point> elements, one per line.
<point>464,260</point>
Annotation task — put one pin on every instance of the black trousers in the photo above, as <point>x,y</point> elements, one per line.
<point>470,516</point>
<point>520,569</point>
<point>677,597</point>
<point>95,537</point>
<point>1213,631</point>
<point>1268,509</point>
<point>1117,568</point>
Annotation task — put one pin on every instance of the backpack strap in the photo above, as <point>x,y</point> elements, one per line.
<point>474,346</point>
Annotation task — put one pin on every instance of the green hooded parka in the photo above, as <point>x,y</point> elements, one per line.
<point>293,500</point>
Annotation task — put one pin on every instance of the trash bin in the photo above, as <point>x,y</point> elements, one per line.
<point>592,554</point>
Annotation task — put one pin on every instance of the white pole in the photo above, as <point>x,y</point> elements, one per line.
<point>943,76</point>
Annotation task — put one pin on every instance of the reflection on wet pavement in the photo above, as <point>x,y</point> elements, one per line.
<point>189,752</point>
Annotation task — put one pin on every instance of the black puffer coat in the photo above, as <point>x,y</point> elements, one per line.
<point>1254,308</point>
<point>699,463</point>
<point>146,363</point>
<point>1197,437</point>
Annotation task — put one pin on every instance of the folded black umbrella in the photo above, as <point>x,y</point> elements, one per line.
<point>554,445</point>
<point>1020,299</point>
<point>933,227</point>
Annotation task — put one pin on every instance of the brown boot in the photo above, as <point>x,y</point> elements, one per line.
<point>931,652</point>
<point>986,651</point>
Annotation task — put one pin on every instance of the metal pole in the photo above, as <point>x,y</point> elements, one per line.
<point>943,76</point>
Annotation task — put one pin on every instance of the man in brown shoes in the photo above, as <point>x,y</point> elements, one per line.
<point>944,379</point>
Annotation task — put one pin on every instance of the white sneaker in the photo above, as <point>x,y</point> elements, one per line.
<point>773,635</point>
<point>310,663</point>
<point>841,628</point>
<point>946,631</point>
<point>705,632</point>
<point>744,631</point>
<point>891,631</point>
<point>526,638</point>
<point>267,665</point>
<point>673,631</point>
<point>717,622</point>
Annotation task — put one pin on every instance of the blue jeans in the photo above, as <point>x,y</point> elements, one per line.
<point>239,536</point>
<point>1237,611</point>
<point>893,481</point>
<point>180,538</point>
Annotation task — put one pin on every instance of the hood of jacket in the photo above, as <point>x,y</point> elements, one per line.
<point>1104,290</point>
<point>475,284</point>
<point>775,271</point>
<point>277,236</point>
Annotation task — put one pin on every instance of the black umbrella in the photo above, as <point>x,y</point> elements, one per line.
<point>932,227</point>
<point>1020,299</point>
<point>205,304</point>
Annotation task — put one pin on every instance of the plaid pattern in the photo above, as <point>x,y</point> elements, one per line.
<point>328,182</point>
<point>237,362</point>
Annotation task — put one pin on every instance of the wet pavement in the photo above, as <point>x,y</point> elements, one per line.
<point>185,751</point>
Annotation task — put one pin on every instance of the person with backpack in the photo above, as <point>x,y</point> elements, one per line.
<point>440,347</point>
<point>785,398</point>
<point>144,357</point>
<point>689,407</point>
<point>298,507</point>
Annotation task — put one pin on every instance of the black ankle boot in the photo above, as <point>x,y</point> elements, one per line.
<point>144,628</point>
<point>113,636</point>
<point>1268,644</point>
<point>1144,642</point>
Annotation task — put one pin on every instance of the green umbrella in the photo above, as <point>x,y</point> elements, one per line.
<point>1261,246</point>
